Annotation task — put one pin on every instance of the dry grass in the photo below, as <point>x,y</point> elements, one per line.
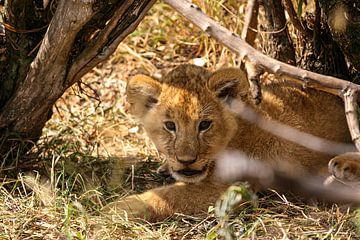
<point>92,152</point>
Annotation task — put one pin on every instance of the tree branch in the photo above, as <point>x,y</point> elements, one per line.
<point>231,40</point>
<point>251,22</point>
<point>351,112</point>
<point>289,133</point>
<point>234,166</point>
<point>249,34</point>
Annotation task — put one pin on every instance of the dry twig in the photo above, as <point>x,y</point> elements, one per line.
<point>351,107</point>
<point>289,133</point>
<point>249,35</point>
<point>251,22</point>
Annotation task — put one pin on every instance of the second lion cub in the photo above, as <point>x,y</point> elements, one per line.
<point>188,118</point>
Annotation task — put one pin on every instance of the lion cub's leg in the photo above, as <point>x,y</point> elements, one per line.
<point>346,167</point>
<point>159,203</point>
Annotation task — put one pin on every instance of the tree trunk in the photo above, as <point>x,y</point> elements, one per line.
<point>321,53</point>
<point>343,19</point>
<point>279,45</point>
<point>49,48</point>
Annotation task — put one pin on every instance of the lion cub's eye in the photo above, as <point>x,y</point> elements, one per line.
<point>204,125</point>
<point>170,126</point>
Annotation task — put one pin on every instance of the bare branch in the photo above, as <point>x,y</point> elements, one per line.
<point>249,35</point>
<point>351,107</point>
<point>94,48</point>
<point>251,22</point>
<point>295,20</point>
<point>253,75</point>
<point>231,40</point>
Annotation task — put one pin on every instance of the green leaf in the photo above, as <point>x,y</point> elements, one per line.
<point>299,10</point>
<point>356,220</point>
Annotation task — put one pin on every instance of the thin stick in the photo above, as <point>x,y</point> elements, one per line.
<point>251,22</point>
<point>351,106</point>
<point>249,35</point>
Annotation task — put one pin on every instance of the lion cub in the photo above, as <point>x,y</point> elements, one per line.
<point>187,116</point>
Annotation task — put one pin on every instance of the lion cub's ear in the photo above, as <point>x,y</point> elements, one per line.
<point>142,94</point>
<point>228,84</point>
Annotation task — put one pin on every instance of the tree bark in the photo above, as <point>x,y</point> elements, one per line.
<point>321,53</point>
<point>279,45</point>
<point>25,30</point>
<point>343,19</point>
<point>47,54</point>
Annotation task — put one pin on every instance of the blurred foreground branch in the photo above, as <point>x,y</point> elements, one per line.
<point>236,166</point>
<point>289,133</point>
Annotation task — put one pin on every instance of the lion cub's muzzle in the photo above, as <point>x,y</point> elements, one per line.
<point>190,174</point>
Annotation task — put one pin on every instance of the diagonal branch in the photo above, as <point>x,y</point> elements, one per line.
<point>95,47</point>
<point>231,40</point>
<point>235,166</point>
<point>289,133</point>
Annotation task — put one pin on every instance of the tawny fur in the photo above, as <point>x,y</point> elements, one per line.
<point>189,95</point>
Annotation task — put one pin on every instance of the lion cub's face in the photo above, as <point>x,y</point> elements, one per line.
<point>186,116</point>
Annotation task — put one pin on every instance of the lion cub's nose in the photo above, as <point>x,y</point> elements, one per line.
<point>186,160</point>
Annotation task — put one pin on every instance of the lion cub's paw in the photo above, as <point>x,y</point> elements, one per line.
<point>346,167</point>
<point>164,170</point>
<point>131,207</point>
<point>147,206</point>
